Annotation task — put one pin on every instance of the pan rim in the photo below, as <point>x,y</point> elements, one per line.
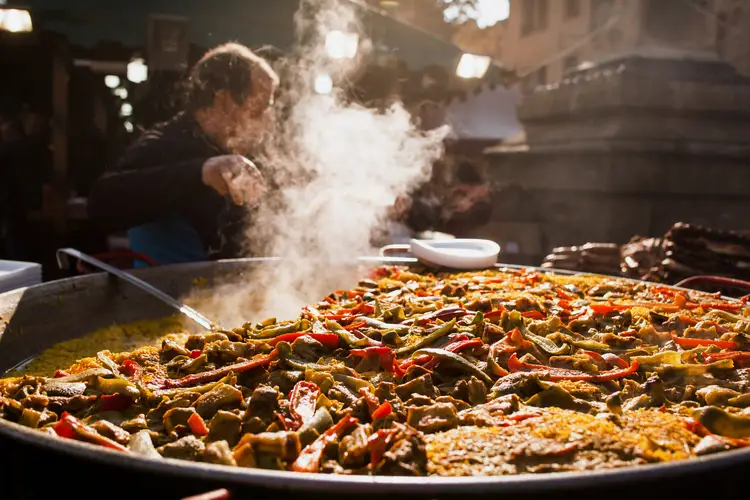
<point>298,481</point>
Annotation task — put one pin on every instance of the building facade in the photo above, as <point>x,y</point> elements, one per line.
<point>545,38</point>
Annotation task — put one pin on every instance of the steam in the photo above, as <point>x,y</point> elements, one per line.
<point>336,167</point>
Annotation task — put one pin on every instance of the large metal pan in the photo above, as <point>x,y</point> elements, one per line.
<point>35,318</point>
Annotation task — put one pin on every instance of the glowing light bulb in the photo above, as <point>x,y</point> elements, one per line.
<point>342,45</point>
<point>323,84</point>
<point>473,66</point>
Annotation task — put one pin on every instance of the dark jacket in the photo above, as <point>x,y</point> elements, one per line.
<point>156,191</point>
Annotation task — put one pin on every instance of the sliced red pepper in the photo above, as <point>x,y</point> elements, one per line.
<point>355,325</point>
<point>197,425</point>
<point>129,367</point>
<point>370,399</point>
<point>520,417</point>
<point>72,428</point>
<point>211,375</point>
<point>739,357</point>
<point>64,429</point>
<point>309,458</point>
<point>691,342</point>
<point>594,355</point>
<point>607,308</point>
<point>60,374</point>
<point>114,402</point>
<point>330,340</point>
<point>723,306</point>
<point>454,347</point>
<point>607,358</point>
<point>387,358</point>
<point>361,308</point>
<point>555,374</point>
<point>688,320</point>
<point>303,400</point>
<point>382,411</point>
<point>615,360</point>
<point>533,314</point>
<point>563,294</point>
<point>377,443</point>
<point>195,353</point>
<point>444,314</point>
<point>496,313</point>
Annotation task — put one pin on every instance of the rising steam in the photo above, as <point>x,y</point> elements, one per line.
<point>337,167</point>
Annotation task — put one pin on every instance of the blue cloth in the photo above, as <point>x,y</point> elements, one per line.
<point>167,241</point>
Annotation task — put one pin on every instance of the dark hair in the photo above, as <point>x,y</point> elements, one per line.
<point>468,173</point>
<point>228,67</point>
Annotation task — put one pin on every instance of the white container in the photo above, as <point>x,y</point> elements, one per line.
<point>14,274</point>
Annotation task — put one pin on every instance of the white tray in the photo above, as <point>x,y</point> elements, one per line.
<point>15,274</point>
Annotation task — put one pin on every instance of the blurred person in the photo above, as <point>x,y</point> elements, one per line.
<point>14,159</point>
<point>180,189</point>
<point>468,204</point>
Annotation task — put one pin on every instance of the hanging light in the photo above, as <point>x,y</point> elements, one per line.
<point>323,84</point>
<point>121,92</point>
<point>112,81</point>
<point>342,45</point>
<point>473,66</point>
<point>129,127</point>
<point>15,20</point>
<point>137,70</point>
<point>126,109</point>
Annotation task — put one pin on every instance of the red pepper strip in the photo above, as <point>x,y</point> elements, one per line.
<point>697,428</point>
<point>608,358</point>
<point>563,304</point>
<point>519,417</point>
<point>594,355</point>
<point>723,306</point>
<point>129,367</point>
<point>737,356</point>
<point>690,342</point>
<point>211,375</point>
<point>445,314</point>
<point>303,400</point>
<point>359,309</point>
<point>555,374</point>
<point>309,458</point>
<point>688,320</point>
<point>382,411</point>
<point>387,358</point>
<point>195,353</point>
<point>454,347</point>
<point>607,308</point>
<point>72,428</point>
<point>355,325</point>
<point>564,294</point>
<point>370,399</point>
<point>533,314</point>
<point>330,340</point>
<point>197,425</point>
<point>496,313</point>
<point>114,402</point>
<point>60,374</point>
<point>378,443</point>
<point>615,360</point>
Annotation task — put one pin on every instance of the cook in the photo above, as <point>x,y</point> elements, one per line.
<point>181,190</point>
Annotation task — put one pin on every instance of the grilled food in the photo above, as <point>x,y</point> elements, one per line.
<point>485,373</point>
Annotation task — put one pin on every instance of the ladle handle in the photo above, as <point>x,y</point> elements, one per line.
<point>63,262</point>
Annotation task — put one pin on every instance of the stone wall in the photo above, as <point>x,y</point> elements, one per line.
<point>622,152</point>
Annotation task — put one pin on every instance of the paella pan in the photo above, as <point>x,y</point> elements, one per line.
<point>501,379</point>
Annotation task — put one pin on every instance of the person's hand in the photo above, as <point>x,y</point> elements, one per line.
<point>234,176</point>
<point>400,208</point>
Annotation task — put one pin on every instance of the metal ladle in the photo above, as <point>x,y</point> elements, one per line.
<point>64,263</point>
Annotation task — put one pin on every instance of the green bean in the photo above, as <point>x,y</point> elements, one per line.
<point>459,360</point>
<point>437,334</point>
